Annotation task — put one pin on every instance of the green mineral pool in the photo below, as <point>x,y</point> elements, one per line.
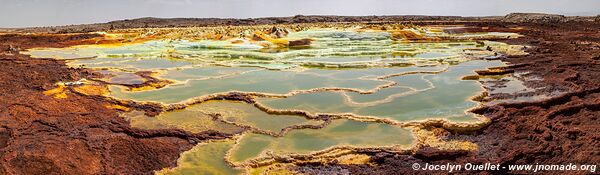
<point>344,72</point>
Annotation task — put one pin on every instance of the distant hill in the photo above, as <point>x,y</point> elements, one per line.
<point>199,22</point>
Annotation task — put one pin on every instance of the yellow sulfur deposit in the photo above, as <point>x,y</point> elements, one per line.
<point>58,92</point>
<point>91,90</point>
<point>118,107</point>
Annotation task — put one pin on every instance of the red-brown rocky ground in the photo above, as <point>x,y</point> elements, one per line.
<point>40,134</point>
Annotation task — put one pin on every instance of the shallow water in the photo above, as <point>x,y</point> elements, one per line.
<point>120,77</point>
<point>381,95</point>
<point>247,114</point>
<point>192,120</point>
<point>264,81</point>
<point>448,97</point>
<point>204,159</point>
<point>338,133</point>
<point>343,71</point>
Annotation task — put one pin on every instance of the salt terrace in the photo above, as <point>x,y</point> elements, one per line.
<point>322,90</point>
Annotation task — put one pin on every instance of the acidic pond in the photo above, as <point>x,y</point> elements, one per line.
<point>346,75</point>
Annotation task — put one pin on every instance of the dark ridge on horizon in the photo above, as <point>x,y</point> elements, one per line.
<point>154,22</point>
<point>209,19</point>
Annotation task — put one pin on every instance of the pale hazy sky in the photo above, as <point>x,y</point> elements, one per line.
<point>21,13</point>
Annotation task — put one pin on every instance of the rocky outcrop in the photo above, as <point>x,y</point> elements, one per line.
<point>533,18</point>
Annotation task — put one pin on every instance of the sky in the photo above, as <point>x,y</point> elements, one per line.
<point>30,13</point>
